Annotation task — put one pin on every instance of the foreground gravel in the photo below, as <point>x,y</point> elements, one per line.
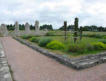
<point>29,65</point>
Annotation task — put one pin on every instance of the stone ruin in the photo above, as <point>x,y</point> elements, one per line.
<point>17,32</point>
<point>27,28</point>
<point>3,30</point>
<point>16,28</point>
<point>37,26</point>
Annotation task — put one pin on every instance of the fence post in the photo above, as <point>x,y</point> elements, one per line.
<point>65,30</point>
<point>75,30</point>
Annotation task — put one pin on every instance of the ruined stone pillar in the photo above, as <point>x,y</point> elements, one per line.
<point>27,28</point>
<point>4,30</point>
<point>16,28</point>
<point>37,26</point>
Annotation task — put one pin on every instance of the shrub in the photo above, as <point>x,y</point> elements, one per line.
<point>55,45</point>
<point>98,46</point>
<point>26,36</point>
<point>34,39</point>
<point>103,41</point>
<point>83,48</point>
<point>105,47</point>
<point>90,47</point>
<point>98,36</point>
<point>77,48</point>
<point>50,34</point>
<point>94,35</point>
<point>44,41</point>
<point>104,37</point>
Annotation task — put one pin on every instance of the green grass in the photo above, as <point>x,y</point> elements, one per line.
<point>81,44</point>
<point>70,39</point>
<point>100,33</point>
<point>58,32</point>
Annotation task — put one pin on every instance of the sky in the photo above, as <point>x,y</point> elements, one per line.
<point>55,12</point>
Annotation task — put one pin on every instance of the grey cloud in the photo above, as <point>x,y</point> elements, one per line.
<point>29,11</point>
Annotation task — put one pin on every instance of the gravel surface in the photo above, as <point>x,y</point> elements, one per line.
<point>29,65</point>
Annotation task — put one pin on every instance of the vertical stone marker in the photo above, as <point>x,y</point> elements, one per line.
<point>36,26</point>
<point>16,28</point>
<point>27,28</point>
<point>4,30</point>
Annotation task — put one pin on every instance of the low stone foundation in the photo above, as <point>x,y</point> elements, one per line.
<point>76,63</point>
<point>4,68</point>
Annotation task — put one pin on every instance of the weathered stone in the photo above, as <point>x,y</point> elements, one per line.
<point>16,28</point>
<point>37,26</point>
<point>27,28</point>
<point>4,30</point>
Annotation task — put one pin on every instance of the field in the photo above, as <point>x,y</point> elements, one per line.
<point>91,43</point>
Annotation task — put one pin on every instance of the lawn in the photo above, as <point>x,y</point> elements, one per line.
<point>54,41</point>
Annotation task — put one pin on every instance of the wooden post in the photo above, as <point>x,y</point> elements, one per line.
<point>75,30</point>
<point>81,33</point>
<point>65,30</point>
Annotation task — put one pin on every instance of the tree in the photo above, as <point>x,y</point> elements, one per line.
<point>10,27</point>
<point>21,27</point>
<point>69,27</point>
<point>93,28</point>
<point>32,27</point>
<point>45,26</point>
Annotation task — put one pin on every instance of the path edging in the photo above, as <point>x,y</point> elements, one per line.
<point>76,63</point>
<point>5,74</point>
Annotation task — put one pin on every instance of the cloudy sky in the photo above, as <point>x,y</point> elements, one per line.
<point>55,12</point>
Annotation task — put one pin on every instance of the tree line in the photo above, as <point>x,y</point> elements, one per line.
<point>86,28</point>
<point>50,27</point>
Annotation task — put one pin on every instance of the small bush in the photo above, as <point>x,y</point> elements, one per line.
<point>44,41</point>
<point>103,41</point>
<point>55,45</point>
<point>98,46</point>
<point>94,35</point>
<point>105,47</point>
<point>84,48</point>
<point>26,36</point>
<point>104,37</point>
<point>34,39</point>
<point>77,48</point>
<point>90,47</point>
<point>50,34</point>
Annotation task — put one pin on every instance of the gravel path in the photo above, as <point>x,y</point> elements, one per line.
<point>29,65</point>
